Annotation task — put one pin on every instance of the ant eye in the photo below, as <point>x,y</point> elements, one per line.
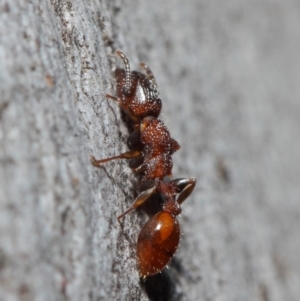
<point>150,150</point>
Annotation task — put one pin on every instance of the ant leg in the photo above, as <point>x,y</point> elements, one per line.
<point>112,97</point>
<point>140,200</point>
<point>185,187</point>
<point>134,140</point>
<point>123,106</point>
<point>126,155</point>
<point>149,73</point>
<point>125,60</point>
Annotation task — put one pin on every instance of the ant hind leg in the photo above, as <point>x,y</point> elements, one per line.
<point>140,200</point>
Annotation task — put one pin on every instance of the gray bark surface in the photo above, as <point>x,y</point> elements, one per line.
<point>229,76</point>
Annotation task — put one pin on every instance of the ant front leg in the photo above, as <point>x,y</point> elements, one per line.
<point>185,187</point>
<point>124,106</point>
<point>140,200</point>
<point>126,155</point>
<point>113,98</point>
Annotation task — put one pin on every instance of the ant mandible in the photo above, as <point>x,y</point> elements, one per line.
<point>151,148</point>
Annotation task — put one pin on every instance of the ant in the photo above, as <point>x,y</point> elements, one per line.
<point>151,147</point>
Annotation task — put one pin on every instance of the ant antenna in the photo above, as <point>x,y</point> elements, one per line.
<point>125,60</point>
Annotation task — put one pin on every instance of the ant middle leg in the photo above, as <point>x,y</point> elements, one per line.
<point>127,155</point>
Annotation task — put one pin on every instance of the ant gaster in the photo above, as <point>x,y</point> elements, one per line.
<point>151,147</point>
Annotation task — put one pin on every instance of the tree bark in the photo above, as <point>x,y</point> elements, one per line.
<point>228,73</point>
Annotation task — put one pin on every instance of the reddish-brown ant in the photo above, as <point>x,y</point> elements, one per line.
<point>150,143</point>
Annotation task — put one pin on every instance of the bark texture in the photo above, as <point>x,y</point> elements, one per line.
<point>228,73</point>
